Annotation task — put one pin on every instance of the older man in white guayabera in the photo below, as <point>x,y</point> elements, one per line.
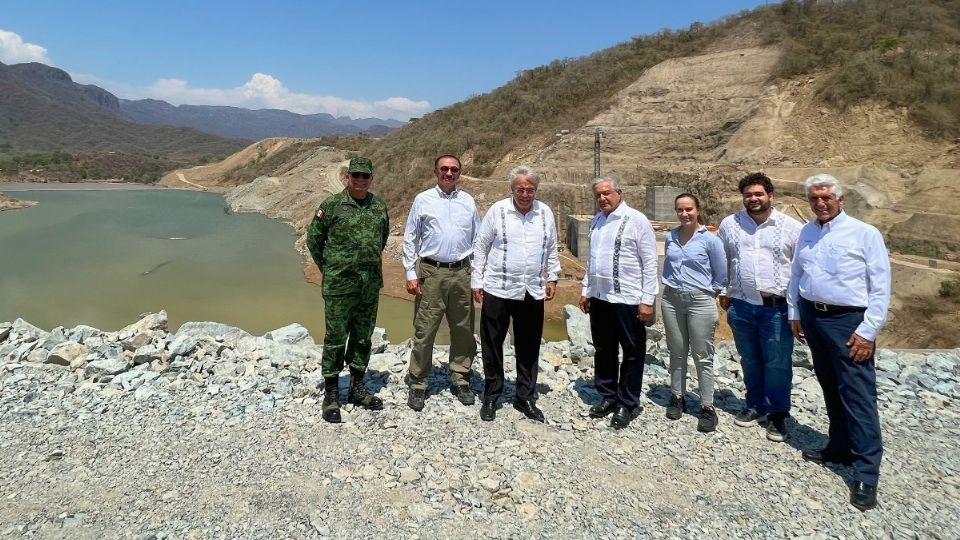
<point>515,269</point>
<point>619,290</point>
<point>838,299</point>
<point>439,235</point>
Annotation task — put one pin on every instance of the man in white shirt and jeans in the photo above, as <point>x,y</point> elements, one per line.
<point>515,269</point>
<point>619,290</point>
<point>759,242</point>
<point>440,231</point>
<point>839,294</point>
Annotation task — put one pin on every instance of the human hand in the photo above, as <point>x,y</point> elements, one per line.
<point>860,348</point>
<point>550,290</point>
<point>797,331</point>
<point>645,312</point>
<point>724,301</point>
<point>478,296</point>
<point>584,304</point>
<point>413,287</point>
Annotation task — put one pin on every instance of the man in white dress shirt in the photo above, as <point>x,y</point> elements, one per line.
<point>619,290</point>
<point>839,294</point>
<point>515,268</point>
<point>440,231</point>
<point>759,242</point>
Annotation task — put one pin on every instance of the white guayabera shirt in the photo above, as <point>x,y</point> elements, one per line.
<point>515,253</point>
<point>622,268</point>
<point>758,255</point>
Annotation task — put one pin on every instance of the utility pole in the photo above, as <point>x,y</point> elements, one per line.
<point>597,135</point>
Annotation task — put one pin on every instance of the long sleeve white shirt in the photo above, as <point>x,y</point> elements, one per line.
<point>843,262</point>
<point>441,227</point>
<point>759,256</point>
<point>622,267</point>
<point>516,253</point>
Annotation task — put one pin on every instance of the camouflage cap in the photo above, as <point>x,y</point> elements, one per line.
<point>360,164</point>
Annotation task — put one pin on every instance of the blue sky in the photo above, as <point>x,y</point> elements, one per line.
<point>359,58</point>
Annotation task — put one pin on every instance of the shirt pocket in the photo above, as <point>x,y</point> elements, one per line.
<point>840,258</point>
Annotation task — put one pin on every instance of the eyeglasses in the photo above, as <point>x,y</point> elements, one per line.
<point>525,191</point>
<point>453,170</point>
<point>365,176</point>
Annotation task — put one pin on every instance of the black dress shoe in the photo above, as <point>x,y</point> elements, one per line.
<point>603,408</point>
<point>529,409</point>
<point>621,417</point>
<point>862,496</point>
<point>825,456</point>
<point>489,410</point>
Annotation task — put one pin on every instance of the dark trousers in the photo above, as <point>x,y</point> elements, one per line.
<point>614,326</point>
<point>495,316</point>
<point>849,389</point>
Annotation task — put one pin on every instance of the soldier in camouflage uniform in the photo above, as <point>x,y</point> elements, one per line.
<point>346,239</point>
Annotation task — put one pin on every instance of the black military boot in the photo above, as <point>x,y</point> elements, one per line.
<point>359,395</point>
<point>331,400</point>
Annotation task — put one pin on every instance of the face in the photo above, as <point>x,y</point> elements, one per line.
<point>687,211</point>
<point>607,197</point>
<point>524,192</point>
<point>357,185</point>
<point>448,174</point>
<point>824,203</point>
<point>756,200</point>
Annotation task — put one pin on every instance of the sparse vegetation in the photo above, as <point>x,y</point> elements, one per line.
<point>66,167</point>
<point>950,288</point>
<point>906,53</point>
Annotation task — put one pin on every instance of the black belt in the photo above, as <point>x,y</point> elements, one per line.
<point>451,265</point>
<point>830,308</point>
<point>773,300</point>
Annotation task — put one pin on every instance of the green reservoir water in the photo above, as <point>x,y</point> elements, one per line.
<point>101,258</point>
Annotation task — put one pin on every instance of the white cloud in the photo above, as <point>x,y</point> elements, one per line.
<point>13,50</point>
<point>264,91</point>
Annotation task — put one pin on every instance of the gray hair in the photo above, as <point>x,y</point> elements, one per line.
<point>823,180</point>
<point>600,180</point>
<point>524,170</point>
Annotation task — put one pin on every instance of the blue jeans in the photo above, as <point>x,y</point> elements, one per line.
<point>765,343</point>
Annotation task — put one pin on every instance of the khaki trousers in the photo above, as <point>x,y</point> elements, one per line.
<point>444,292</point>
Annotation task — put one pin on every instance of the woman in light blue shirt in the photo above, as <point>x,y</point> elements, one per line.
<point>694,273</point>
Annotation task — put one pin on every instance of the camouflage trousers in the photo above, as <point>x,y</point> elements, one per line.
<point>350,319</point>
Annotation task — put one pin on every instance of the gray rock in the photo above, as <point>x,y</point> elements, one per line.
<point>886,360</point>
<point>38,355</point>
<point>910,374</point>
<point>941,365</point>
<point>105,368</point>
<point>128,380</point>
<point>148,323</point>
<point>182,345</point>
<point>53,338</point>
<point>66,353</point>
<point>293,334</point>
<point>801,356</point>
<point>83,333</point>
<point>212,330</point>
<point>379,340</point>
<point>578,326</point>
<point>24,328</point>
<point>4,331</point>
<point>146,354</point>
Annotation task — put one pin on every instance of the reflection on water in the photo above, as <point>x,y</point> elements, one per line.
<point>101,258</point>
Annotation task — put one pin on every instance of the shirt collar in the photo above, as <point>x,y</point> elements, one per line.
<point>534,210</point>
<point>835,222</point>
<point>453,194</point>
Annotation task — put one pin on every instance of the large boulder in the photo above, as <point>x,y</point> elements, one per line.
<point>294,334</point>
<point>149,322</point>
<point>82,333</point>
<point>27,331</point>
<point>4,331</point>
<point>212,330</point>
<point>578,326</point>
<point>66,353</point>
<point>105,369</point>
<point>183,345</point>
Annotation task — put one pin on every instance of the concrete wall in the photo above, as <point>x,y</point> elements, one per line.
<point>659,203</point>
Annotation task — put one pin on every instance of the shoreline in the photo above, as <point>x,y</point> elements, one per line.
<point>99,185</point>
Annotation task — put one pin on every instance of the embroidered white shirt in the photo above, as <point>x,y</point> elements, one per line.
<point>441,227</point>
<point>622,267</point>
<point>516,253</point>
<point>843,262</point>
<point>758,255</point>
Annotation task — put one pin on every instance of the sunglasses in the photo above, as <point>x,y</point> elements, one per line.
<point>355,175</point>
<point>453,170</point>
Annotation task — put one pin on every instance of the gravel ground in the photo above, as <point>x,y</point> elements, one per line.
<point>181,457</point>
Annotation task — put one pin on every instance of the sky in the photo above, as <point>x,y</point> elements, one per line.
<point>386,59</point>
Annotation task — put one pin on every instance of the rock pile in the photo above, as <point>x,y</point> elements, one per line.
<point>211,432</point>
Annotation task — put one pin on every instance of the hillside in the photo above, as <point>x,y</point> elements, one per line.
<point>700,108</point>
<point>238,123</point>
<point>43,110</point>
